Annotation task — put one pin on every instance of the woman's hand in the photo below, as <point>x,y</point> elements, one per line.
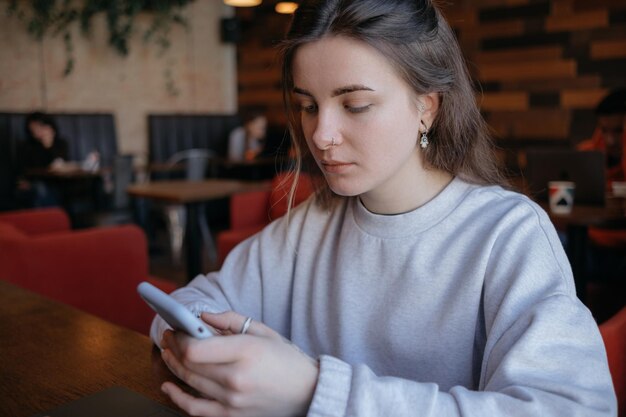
<point>255,374</point>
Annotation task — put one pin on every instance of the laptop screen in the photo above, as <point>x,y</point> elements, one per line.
<point>585,168</point>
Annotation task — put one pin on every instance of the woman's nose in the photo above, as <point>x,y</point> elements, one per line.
<point>325,131</point>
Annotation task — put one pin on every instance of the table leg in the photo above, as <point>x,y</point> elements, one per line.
<point>193,241</point>
<point>577,253</point>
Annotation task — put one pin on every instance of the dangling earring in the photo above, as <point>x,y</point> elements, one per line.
<point>424,139</point>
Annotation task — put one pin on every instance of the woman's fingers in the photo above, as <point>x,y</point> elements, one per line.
<point>234,323</point>
<point>218,382</point>
<point>192,405</point>
<point>220,349</point>
<point>168,341</point>
<point>213,359</point>
<point>208,386</point>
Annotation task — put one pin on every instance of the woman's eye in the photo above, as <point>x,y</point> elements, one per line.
<point>358,109</point>
<point>308,108</point>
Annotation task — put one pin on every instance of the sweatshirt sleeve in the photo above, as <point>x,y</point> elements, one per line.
<point>253,280</point>
<point>531,376</point>
<point>236,287</point>
<point>543,353</point>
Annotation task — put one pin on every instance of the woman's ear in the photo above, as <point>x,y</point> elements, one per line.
<point>428,105</point>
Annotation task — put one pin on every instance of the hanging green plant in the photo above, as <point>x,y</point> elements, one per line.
<point>43,17</point>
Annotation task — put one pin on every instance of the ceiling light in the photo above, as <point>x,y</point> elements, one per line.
<point>243,3</point>
<point>286,7</point>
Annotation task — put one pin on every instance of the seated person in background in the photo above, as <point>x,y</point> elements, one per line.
<point>247,141</point>
<point>607,264</point>
<point>411,283</point>
<point>43,148</point>
<point>609,134</point>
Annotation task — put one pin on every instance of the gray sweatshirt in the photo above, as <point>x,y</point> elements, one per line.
<point>463,307</point>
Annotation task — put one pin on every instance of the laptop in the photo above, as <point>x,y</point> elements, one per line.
<point>585,168</point>
<point>112,402</point>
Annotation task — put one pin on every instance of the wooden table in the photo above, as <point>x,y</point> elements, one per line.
<point>576,226</point>
<point>192,194</point>
<point>71,172</point>
<point>259,168</point>
<point>51,354</point>
<point>80,192</point>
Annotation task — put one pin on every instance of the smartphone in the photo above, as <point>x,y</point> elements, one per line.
<point>173,312</point>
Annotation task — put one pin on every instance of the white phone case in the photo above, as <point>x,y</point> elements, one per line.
<point>174,313</point>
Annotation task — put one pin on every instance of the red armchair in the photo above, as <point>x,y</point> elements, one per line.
<point>96,270</point>
<point>614,335</point>
<point>252,211</point>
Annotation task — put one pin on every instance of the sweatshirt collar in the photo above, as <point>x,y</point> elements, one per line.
<point>415,221</point>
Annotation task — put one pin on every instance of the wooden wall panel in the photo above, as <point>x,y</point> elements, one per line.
<point>503,101</point>
<point>554,86</point>
<point>537,53</point>
<point>267,97</point>
<point>538,70</point>
<point>598,4</point>
<point>490,30</point>
<point>577,21</point>
<point>608,49</point>
<point>582,99</point>
<point>568,56</point>
<point>490,3</point>
<point>461,17</point>
<point>561,7</point>
<point>259,77</point>
<point>257,57</point>
<point>552,124</point>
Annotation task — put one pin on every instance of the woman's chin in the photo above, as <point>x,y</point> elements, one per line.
<point>343,190</point>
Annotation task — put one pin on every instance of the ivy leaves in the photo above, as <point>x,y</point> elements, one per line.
<point>56,17</point>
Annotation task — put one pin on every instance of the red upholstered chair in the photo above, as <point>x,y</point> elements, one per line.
<point>96,270</point>
<point>614,335</point>
<point>37,221</point>
<point>252,211</point>
<point>608,238</point>
<point>606,290</point>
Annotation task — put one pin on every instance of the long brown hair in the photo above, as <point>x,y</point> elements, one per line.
<point>421,46</point>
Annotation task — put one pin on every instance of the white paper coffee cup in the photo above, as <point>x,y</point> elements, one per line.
<point>561,195</point>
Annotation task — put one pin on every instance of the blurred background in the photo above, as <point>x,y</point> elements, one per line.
<point>170,76</point>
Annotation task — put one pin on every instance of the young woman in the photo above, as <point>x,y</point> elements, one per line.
<point>412,283</point>
<point>246,142</point>
<point>43,148</point>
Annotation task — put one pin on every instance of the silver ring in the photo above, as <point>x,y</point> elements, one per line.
<point>246,325</point>
<point>332,141</point>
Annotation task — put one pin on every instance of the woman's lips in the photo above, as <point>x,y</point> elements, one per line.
<point>335,167</point>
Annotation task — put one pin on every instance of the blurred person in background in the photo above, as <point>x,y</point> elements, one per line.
<point>607,264</point>
<point>247,142</point>
<point>43,148</point>
<point>609,135</point>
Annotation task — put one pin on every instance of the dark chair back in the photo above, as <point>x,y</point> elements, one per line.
<point>172,133</point>
<point>84,132</point>
<point>197,162</point>
<point>122,178</point>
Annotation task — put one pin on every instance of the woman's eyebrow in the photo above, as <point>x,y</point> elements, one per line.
<point>350,89</point>
<point>302,91</point>
<point>336,92</point>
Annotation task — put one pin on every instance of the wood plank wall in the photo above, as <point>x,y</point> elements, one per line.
<point>541,66</point>
<point>258,70</point>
